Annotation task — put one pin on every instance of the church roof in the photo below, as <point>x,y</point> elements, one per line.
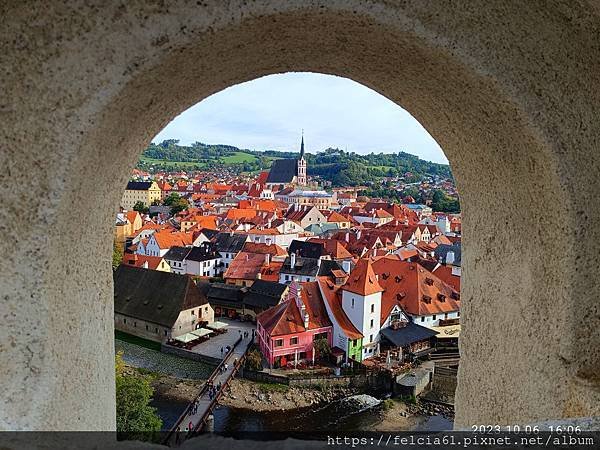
<point>283,171</point>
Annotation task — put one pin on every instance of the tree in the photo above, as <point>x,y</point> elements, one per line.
<point>140,207</point>
<point>322,348</point>
<point>117,255</point>
<point>176,202</point>
<point>134,414</point>
<point>254,360</point>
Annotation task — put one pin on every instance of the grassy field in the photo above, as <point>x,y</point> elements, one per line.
<point>174,163</point>
<point>239,157</point>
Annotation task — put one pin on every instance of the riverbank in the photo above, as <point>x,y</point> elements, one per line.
<point>246,394</point>
<point>392,415</point>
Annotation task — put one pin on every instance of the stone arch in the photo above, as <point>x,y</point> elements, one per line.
<point>510,92</point>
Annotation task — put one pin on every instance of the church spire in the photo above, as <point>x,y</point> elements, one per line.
<point>302,146</point>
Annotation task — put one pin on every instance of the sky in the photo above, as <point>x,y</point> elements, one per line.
<point>269,113</point>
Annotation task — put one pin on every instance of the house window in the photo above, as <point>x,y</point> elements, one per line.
<point>278,342</point>
<point>457,313</point>
<point>434,317</point>
<point>371,338</point>
<point>134,324</point>
<point>372,307</point>
<point>446,316</point>
<point>371,323</point>
<point>422,319</point>
<point>124,320</point>
<point>156,330</point>
<point>192,312</point>
<point>352,303</point>
<point>294,341</point>
<point>146,327</point>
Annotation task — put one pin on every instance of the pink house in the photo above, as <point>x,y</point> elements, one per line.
<point>286,332</point>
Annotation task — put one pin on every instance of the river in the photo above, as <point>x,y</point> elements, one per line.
<point>337,415</point>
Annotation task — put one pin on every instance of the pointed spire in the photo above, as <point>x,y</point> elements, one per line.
<point>302,145</point>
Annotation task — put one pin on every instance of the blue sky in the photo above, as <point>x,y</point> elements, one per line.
<point>269,113</point>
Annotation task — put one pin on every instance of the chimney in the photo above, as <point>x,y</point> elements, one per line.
<point>269,239</point>
<point>306,320</point>
<point>450,258</point>
<point>267,259</point>
<point>259,276</point>
<point>348,237</point>
<point>292,260</point>
<point>319,262</point>
<point>145,265</point>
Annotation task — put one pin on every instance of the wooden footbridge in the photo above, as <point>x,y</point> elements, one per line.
<point>193,420</point>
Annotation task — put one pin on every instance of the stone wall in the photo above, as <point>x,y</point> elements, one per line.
<point>510,90</point>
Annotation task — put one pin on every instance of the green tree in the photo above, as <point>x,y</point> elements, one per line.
<point>117,255</point>
<point>254,360</point>
<point>135,416</point>
<point>176,202</point>
<point>140,207</point>
<point>322,348</point>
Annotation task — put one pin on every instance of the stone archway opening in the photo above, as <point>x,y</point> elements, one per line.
<point>94,86</point>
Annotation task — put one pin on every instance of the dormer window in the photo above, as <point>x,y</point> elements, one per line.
<point>429,281</point>
<point>441,297</point>
<point>427,299</point>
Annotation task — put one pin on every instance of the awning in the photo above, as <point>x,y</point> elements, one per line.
<point>447,332</point>
<point>216,325</point>
<point>202,332</point>
<point>185,338</point>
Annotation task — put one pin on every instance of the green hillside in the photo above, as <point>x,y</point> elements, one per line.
<point>339,167</point>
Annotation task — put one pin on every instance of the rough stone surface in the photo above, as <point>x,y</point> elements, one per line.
<point>509,89</point>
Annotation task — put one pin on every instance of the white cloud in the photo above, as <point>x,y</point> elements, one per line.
<point>269,113</point>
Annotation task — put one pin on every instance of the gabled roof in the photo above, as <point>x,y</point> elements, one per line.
<point>333,248</point>
<point>265,294</point>
<point>310,267</point>
<point>245,266</point>
<point>285,318</point>
<point>133,259</point>
<point>283,171</point>
<point>441,253</point>
<point>263,249</point>
<point>202,253</point>
<point>154,296</point>
<point>307,249</point>
<point>409,334</point>
<point>333,296</point>
<point>138,185</point>
<point>416,290</point>
<point>177,253</point>
<point>362,279</point>
<point>229,242</point>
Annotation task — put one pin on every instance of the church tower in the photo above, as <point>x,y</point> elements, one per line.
<point>302,164</point>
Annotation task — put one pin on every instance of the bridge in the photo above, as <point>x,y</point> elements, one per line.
<point>181,430</point>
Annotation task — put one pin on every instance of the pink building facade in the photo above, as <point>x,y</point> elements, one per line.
<point>286,332</point>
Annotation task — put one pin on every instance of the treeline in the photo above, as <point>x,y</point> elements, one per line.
<point>351,169</point>
<point>337,166</point>
<point>440,200</point>
<point>170,150</point>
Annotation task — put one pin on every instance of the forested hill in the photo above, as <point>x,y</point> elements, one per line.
<point>338,166</point>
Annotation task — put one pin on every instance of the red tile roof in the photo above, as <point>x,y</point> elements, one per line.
<point>285,318</point>
<point>416,290</point>
<point>333,296</point>
<point>362,279</point>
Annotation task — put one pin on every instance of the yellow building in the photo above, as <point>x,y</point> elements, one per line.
<point>140,191</point>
